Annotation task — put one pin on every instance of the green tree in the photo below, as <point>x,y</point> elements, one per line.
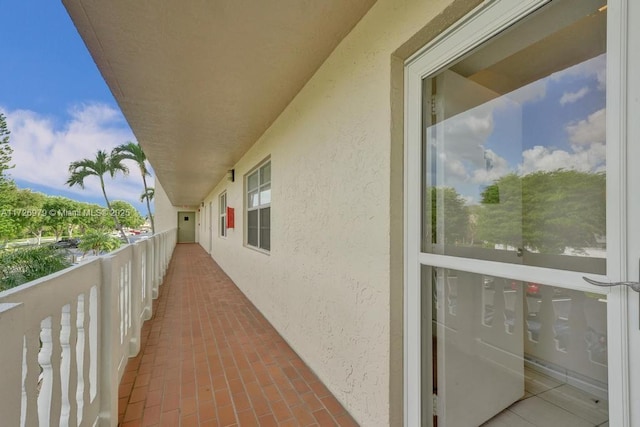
<point>544,211</point>
<point>93,217</point>
<point>5,149</point>
<point>563,208</point>
<point>59,214</point>
<point>98,242</point>
<point>76,219</point>
<point>28,213</point>
<point>8,226</point>
<point>449,216</point>
<point>500,219</point>
<point>127,215</point>
<point>133,151</point>
<point>26,264</point>
<point>103,164</point>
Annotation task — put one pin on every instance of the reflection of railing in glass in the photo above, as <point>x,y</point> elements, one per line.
<point>488,294</point>
<point>509,295</point>
<point>567,330</point>
<point>452,298</point>
<point>562,330</point>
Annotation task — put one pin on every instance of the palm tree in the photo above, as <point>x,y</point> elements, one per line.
<point>97,242</point>
<point>148,196</point>
<point>101,165</point>
<point>133,151</point>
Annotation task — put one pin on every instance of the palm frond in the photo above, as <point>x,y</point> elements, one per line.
<point>132,151</point>
<point>82,164</point>
<point>78,175</point>
<point>148,194</point>
<point>116,166</point>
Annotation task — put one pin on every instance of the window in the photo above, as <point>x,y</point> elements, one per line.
<point>258,184</point>
<point>222,203</point>
<point>506,162</point>
<point>514,149</point>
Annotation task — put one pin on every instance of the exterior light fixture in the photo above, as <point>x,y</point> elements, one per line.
<point>231,175</point>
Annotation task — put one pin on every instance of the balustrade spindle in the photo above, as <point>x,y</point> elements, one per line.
<point>46,385</point>
<point>65,365</point>
<point>80,355</point>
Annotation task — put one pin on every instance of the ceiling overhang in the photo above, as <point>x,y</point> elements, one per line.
<point>200,81</point>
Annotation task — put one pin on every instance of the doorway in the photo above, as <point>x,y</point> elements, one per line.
<point>186,227</point>
<point>513,196</point>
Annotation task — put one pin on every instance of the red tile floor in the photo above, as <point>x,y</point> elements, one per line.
<point>209,358</point>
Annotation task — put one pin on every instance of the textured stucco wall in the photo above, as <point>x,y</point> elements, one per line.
<point>327,283</point>
<point>166,215</point>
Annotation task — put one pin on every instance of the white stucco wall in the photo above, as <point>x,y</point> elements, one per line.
<point>326,283</point>
<point>166,215</point>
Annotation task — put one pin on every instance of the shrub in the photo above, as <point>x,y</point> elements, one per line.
<point>26,264</point>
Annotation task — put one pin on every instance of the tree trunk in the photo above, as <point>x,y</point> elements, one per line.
<point>144,182</point>
<point>38,235</point>
<point>113,215</point>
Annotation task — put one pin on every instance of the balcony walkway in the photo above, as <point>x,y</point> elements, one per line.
<point>209,358</point>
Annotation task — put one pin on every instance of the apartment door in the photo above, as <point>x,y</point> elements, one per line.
<point>186,227</point>
<point>516,191</point>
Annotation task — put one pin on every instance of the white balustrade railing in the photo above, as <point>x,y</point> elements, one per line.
<point>66,337</point>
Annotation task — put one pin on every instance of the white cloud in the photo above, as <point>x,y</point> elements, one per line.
<point>461,140</point>
<point>494,168</point>
<point>601,74</point>
<point>541,158</point>
<point>592,130</point>
<point>455,168</point>
<point>588,150</point>
<point>466,133</point>
<point>469,200</point>
<point>461,147</point>
<point>459,144</point>
<point>571,97</point>
<point>43,149</point>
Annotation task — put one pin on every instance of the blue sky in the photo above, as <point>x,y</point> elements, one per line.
<point>555,122</point>
<point>58,107</point>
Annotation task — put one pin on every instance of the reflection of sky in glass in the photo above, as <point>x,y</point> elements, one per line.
<point>553,123</point>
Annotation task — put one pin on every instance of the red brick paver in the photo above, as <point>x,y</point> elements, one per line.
<point>209,358</point>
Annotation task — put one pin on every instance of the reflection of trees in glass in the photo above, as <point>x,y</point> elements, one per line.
<point>500,219</point>
<point>455,215</point>
<point>544,211</point>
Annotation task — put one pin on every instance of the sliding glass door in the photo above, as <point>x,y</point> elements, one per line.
<point>509,205</point>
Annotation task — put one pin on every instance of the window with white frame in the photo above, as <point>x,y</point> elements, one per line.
<point>222,203</point>
<point>258,184</point>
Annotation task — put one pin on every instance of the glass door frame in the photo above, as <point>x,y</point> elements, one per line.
<point>481,24</point>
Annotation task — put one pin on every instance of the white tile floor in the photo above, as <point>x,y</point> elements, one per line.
<point>548,402</point>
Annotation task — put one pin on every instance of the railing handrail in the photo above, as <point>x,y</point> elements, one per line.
<point>9,294</point>
<point>67,336</point>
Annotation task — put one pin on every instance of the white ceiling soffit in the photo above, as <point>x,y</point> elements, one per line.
<point>200,80</point>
